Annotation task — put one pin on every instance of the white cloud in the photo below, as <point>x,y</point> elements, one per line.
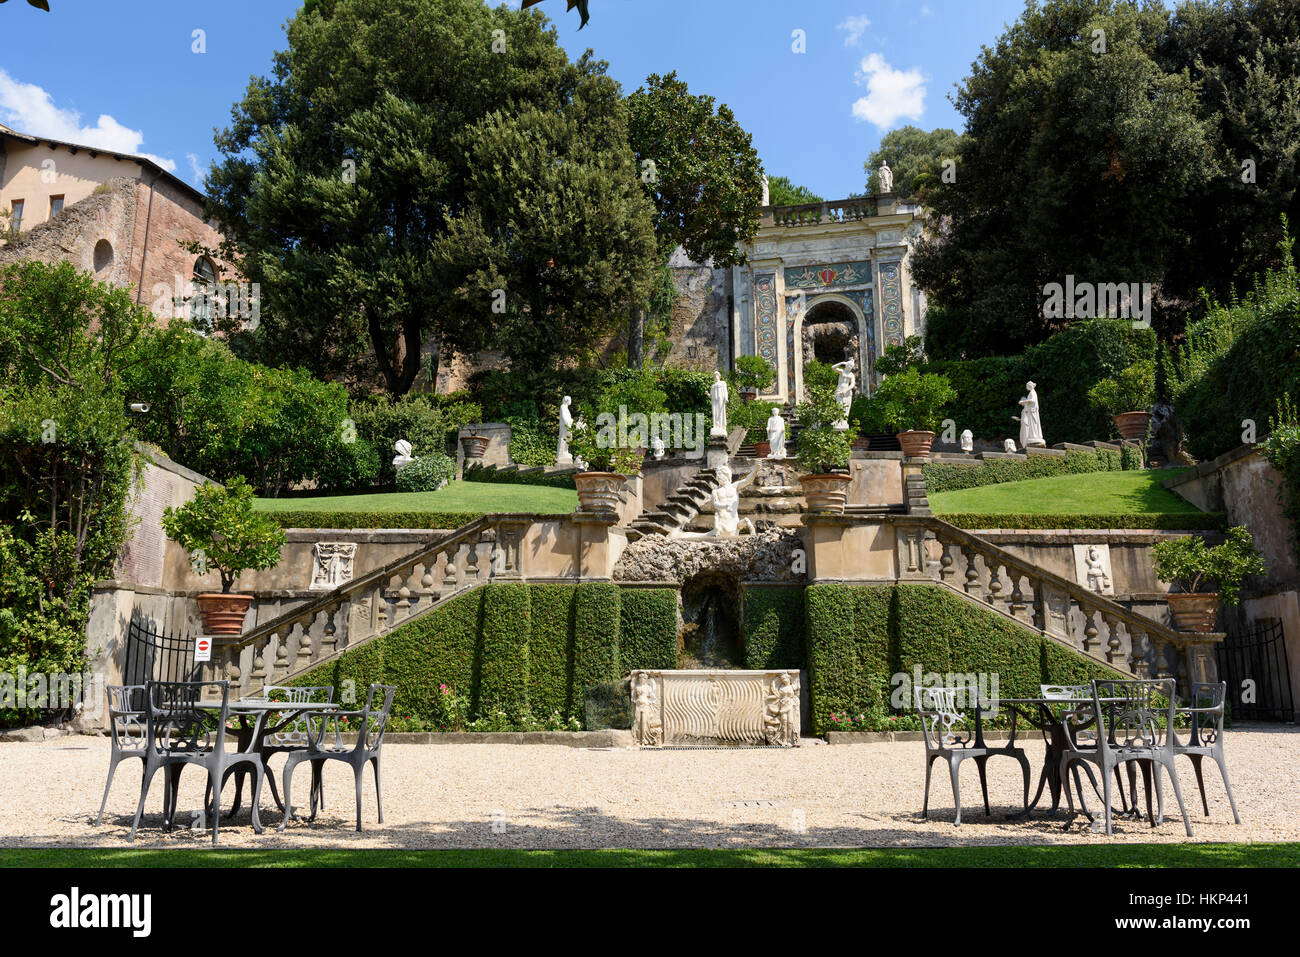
<point>891,94</point>
<point>854,27</point>
<point>195,168</point>
<point>27,108</point>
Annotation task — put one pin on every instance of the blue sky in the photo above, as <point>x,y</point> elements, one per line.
<point>123,74</point>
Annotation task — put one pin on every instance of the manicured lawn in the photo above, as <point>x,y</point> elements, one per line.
<point>456,497</point>
<point>1085,855</point>
<point>1096,493</point>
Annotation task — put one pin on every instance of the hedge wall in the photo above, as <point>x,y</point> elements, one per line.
<point>343,519</point>
<point>517,647</point>
<point>647,634</point>
<point>773,627</point>
<point>1163,521</point>
<point>859,636</point>
<point>1065,367</point>
<point>950,476</point>
<point>491,474</point>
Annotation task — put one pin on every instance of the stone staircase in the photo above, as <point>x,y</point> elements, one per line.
<point>679,510</point>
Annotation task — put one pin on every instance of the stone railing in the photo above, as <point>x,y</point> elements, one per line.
<point>370,606</point>
<point>815,214</point>
<point>929,549</point>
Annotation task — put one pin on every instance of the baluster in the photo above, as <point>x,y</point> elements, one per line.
<point>995,579</point>
<point>329,637</point>
<point>1138,652</point>
<point>1016,604</point>
<point>1038,611</point>
<point>281,657</point>
<point>403,607</point>
<point>449,575</point>
<point>471,564</point>
<point>304,640</point>
<point>258,672</point>
<point>428,584</point>
<point>1113,647</point>
<point>1090,632</point>
<point>946,570</point>
<point>972,573</point>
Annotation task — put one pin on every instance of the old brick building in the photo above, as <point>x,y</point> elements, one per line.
<point>122,217</point>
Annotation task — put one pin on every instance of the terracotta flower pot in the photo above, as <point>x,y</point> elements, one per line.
<point>475,445</point>
<point>1194,612</point>
<point>1133,425</point>
<point>762,449</point>
<point>916,443</point>
<point>861,444</point>
<point>223,614</point>
<point>748,395</point>
<point>598,491</point>
<point>826,493</point>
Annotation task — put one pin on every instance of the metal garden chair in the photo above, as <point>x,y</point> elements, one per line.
<point>948,737</point>
<point>181,731</point>
<point>297,735</point>
<point>1130,721</point>
<point>1086,735</point>
<point>1204,712</point>
<point>367,749</point>
<point>129,736</point>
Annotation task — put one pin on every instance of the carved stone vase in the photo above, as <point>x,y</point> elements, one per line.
<point>916,443</point>
<point>826,493</point>
<point>223,614</point>
<point>598,491</point>
<point>1193,612</point>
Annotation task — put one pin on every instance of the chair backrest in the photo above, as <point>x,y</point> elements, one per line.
<point>1137,715</point>
<point>1064,692</point>
<point>126,717</point>
<point>374,719</point>
<point>177,723</point>
<point>1205,712</point>
<point>944,726</point>
<point>298,732</point>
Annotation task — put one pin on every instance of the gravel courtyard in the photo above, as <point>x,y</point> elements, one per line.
<point>537,796</point>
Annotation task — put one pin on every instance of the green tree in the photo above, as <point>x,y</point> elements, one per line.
<point>915,157</point>
<point>222,525</point>
<point>782,192</point>
<point>700,170</point>
<point>378,144</point>
<point>1074,162</point>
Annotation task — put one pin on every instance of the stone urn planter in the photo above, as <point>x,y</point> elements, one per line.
<point>1194,612</point>
<point>762,449</point>
<point>861,444</point>
<point>223,614</point>
<point>475,446</point>
<point>598,491</point>
<point>826,493</point>
<point>748,394</point>
<point>1132,425</point>
<point>916,444</point>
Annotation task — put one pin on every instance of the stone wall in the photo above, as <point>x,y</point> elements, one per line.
<point>72,236</point>
<point>699,329</point>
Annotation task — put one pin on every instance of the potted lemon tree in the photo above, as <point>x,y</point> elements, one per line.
<point>1194,567</point>
<point>222,532</point>
<point>1127,398</point>
<point>912,404</point>
<point>823,451</point>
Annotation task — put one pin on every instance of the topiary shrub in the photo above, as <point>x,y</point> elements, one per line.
<point>353,466</point>
<point>427,473</point>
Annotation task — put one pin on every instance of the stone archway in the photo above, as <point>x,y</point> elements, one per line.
<point>831,329</point>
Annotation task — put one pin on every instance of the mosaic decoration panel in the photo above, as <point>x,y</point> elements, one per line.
<point>765,307</point>
<point>836,274</point>
<point>891,303</point>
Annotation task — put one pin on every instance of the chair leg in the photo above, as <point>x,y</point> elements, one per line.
<point>1146,786</point>
<point>289,764</point>
<point>981,765</point>
<point>1024,765</point>
<point>1178,795</point>
<point>925,805</point>
<point>357,772</point>
<point>171,795</point>
<point>214,778</point>
<point>112,766</point>
<point>1131,804</point>
<point>259,777</point>
<point>149,771</point>
<point>317,786</point>
<point>1160,793</point>
<point>1105,800</point>
<point>1223,770</point>
<point>270,779</point>
<point>1200,781</point>
<point>379,800</point>
<point>954,772</point>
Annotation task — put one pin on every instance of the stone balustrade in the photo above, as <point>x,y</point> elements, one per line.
<point>815,214</point>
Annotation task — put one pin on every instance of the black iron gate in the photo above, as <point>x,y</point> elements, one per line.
<point>151,656</point>
<point>1254,665</point>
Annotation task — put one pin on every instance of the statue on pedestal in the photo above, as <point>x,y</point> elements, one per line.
<point>967,441</point>
<point>562,454</point>
<point>844,387</point>
<point>1031,422</point>
<point>886,178</point>
<point>718,399</point>
<point>776,433</point>
<point>403,457</point>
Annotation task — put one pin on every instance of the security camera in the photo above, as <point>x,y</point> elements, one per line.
<point>139,408</point>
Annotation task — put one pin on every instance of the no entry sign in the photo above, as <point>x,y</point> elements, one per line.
<point>203,648</point>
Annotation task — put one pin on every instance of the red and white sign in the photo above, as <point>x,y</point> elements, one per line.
<point>203,648</point>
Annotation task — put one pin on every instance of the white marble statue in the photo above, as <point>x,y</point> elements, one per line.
<point>776,433</point>
<point>767,201</point>
<point>718,398</point>
<point>886,178</point>
<point>781,713</point>
<point>726,504</point>
<point>657,446</point>
<point>1031,422</point>
<point>647,729</point>
<point>844,386</point>
<point>1098,580</point>
<point>562,454</point>
<point>403,457</point>
<point>967,441</point>
<point>1009,445</point>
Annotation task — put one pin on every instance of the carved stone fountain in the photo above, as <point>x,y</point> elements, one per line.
<point>721,708</point>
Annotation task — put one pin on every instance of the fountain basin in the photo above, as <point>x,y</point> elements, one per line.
<point>715,708</point>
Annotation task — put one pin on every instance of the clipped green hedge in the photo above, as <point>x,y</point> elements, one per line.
<point>344,519</point>
<point>647,636</point>
<point>595,638</point>
<point>950,476</point>
<point>492,475</point>
<point>860,636</point>
<point>1163,521</point>
<point>503,650</point>
<point>550,649</point>
<point>773,627</point>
